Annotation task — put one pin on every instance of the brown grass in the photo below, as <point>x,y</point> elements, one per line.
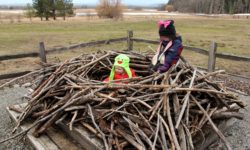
<point>231,34</point>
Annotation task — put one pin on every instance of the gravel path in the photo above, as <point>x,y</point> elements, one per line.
<point>239,134</point>
<point>10,96</point>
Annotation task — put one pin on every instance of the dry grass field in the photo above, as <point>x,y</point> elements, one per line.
<point>19,34</point>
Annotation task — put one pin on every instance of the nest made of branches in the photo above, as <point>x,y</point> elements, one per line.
<point>172,110</point>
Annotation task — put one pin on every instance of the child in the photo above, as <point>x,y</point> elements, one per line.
<point>120,69</point>
<point>169,49</point>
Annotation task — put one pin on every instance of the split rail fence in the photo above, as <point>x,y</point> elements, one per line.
<point>42,52</point>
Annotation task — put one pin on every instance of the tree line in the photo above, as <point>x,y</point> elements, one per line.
<point>50,8</point>
<point>211,6</point>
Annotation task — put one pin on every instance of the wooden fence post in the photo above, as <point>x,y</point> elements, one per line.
<point>129,40</point>
<point>212,57</point>
<point>42,53</point>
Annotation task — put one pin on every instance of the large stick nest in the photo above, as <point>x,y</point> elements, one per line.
<point>174,110</point>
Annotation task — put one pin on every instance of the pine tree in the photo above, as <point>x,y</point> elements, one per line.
<point>49,8</point>
<point>64,7</point>
<point>38,6</point>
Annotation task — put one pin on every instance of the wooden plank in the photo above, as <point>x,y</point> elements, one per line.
<point>197,50</point>
<point>145,41</point>
<point>232,57</point>
<point>42,53</point>
<point>61,140</point>
<point>194,49</point>
<point>94,43</point>
<point>13,75</point>
<point>83,137</point>
<point>41,143</point>
<point>16,56</point>
<point>212,57</point>
<point>129,40</point>
<point>55,50</point>
<point>200,51</point>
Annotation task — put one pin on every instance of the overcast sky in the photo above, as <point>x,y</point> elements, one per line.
<point>87,2</point>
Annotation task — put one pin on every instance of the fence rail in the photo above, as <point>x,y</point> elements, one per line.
<point>94,43</point>
<point>13,75</point>
<point>16,56</point>
<point>200,51</point>
<point>211,53</point>
<point>60,49</point>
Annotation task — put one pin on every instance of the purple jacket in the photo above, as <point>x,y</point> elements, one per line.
<point>172,55</point>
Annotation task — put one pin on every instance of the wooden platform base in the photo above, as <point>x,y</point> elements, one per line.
<point>61,138</point>
<point>54,139</point>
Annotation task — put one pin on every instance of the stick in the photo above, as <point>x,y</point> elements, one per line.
<point>136,136</point>
<point>122,86</point>
<point>129,139</point>
<point>72,120</point>
<point>210,74</point>
<point>91,63</point>
<point>185,102</point>
<point>163,137</point>
<point>156,132</point>
<point>139,131</point>
<point>171,126</point>
<point>213,125</point>
<point>50,115</point>
<point>97,127</point>
<point>13,80</point>
<point>168,131</point>
<point>90,128</point>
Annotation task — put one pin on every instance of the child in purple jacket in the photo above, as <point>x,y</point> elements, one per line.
<point>169,49</point>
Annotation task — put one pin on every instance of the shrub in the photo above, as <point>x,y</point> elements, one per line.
<point>169,8</point>
<point>109,9</point>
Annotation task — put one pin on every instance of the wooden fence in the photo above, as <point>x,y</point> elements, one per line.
<point>41,53</point>
<point>211,53</point>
